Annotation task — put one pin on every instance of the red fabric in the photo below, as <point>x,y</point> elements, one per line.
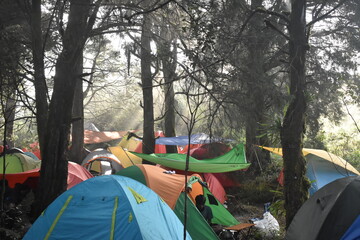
<point>215,187</point>
<point>77,174</point>
<point>158,148</point>
<point>225,180</point>
<point>184,149</point>
<point>34,148</point>
<point>280,178</point>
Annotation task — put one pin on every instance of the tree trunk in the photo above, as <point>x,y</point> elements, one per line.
<point>77,140</point>
<point>257,47</point>
<point>9,115</point>
<point>296,184</point>
<point>39,75</point>
<point>146,79</point>
<point>168,59</point>
<point>53,178</point>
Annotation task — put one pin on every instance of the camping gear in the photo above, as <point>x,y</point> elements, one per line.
<point>170,187</point>
<point>101,162</point>
<point>322,167</point>
<point>126,158</point>
<point>230,161</point>
<point>199,138</point>
<point>18,162</point>
<point>93,137</point>
<point>215,187</point>
<point>76,174</point>
<point>268,226</point>
<point>331,213</point>
<point>159,148</point>
<point>107,207</point>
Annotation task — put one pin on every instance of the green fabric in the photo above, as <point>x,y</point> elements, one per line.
<point>58,216</point>
<point>113,218</point>
<point>231,161</point>
<point>134,173</point>
<point>196,225</point>
<point>220,214</point>
<point>18,162</point>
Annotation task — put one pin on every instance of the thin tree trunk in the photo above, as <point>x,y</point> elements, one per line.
<point>168,58</point>
<point>39,75</point>
<point>296,185</point>
<point>77,140</point>
<point>146,79</point>
<point>9,115</point>
<point>256,46</point>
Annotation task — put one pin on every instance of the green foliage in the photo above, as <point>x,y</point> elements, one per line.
<point>346,145</point>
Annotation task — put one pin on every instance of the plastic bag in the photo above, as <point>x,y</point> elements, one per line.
<point>268,226</point>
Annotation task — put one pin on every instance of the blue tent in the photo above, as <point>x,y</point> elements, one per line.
<point>107,207</point>
<point>199,138</point>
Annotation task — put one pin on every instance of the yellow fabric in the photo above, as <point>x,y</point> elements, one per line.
<point>126,158</point>
<point>322,154</point>
<point>129,144</point>
<point>138,197</point>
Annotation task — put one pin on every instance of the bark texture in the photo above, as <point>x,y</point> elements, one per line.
<point>292,132</point>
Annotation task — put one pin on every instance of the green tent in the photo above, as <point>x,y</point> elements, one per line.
<point>231,161</point>
<point>18,162</point>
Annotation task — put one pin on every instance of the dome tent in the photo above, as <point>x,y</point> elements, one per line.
<point>331,213</point>
<point>101,162</point>
<point>107,207</point>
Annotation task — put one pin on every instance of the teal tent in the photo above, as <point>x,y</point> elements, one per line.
<point>107,207</point>
<point>231,161</point>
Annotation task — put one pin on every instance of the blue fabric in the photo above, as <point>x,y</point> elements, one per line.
<point>89,213</point>
<point>353,233</point>
<point>321,172</point>
<point>200,138</point>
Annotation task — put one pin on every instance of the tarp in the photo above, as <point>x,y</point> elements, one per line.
<point>322,167</point>
<point>107,207</point>
<point>76,174</point>
<point>199,138</point>
<point>230,161</point>
<point>91,137</point>
<point>329,213</point>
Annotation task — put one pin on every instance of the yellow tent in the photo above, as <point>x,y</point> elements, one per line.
<point>126,158</point>
<point>129,144</point>
<point>322,154</point>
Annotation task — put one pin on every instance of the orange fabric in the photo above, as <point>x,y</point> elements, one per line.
<point>240,226</point>
<point>76,174</point>
<point>91,137</point>
<point>196,189</point>
<point>167,186</point>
